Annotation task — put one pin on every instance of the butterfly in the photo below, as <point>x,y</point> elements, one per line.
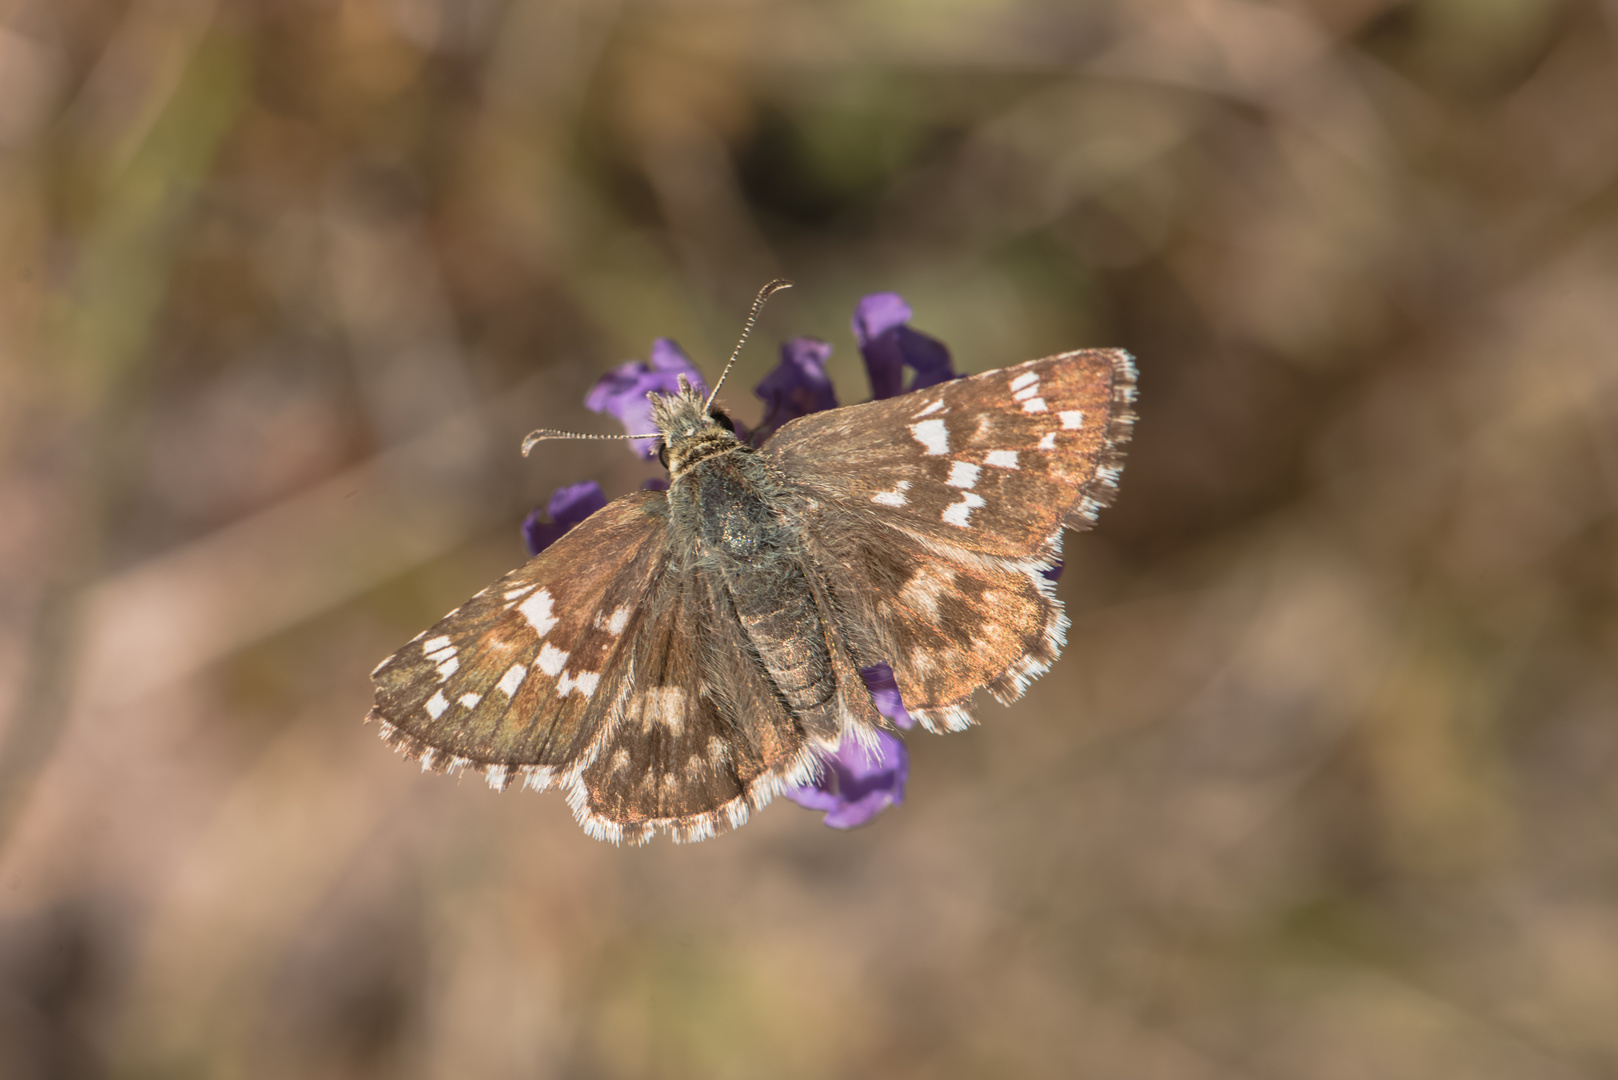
<point>677,659</point>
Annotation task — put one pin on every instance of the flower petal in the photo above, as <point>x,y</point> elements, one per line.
<point>878,313</point>
<point>567,507</point>
<point>670,360</point>
<point>924,355</point>
<point>621,393</point>
<point>884,690</point>
<point>856,784</point>
<point>888,346</point>
<point>798,385</point>
<point>575,502</point>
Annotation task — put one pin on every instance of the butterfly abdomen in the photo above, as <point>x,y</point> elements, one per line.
<point>778,614</point>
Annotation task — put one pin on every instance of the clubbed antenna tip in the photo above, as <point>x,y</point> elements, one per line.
<point>539,435</point>
<point>752,317</point>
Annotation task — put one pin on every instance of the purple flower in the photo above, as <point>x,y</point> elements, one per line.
<point>568,506</point>
<point>884,690</point>
<point>621,393</point>
<point>889,346</point>
<point>798,386</point>
<point>857,784</point>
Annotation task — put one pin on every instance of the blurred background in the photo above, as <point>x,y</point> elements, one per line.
<point>1323,785</point>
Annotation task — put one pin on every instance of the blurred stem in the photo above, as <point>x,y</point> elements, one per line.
<point>98,337</point>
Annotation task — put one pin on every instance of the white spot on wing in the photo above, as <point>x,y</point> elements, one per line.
<point>1027,378</point>
<point>551,660</point>
<point>929,410</point>
<point>619,620</point>
<point>962,474</point>
<point>1072,419</point>
<point>1048,441</point>
<point>512,679</point>
<point>436,704</point>
<point>585,683</point>
<point>959,513</point>
<point>1034,405</point>
<point>922,591</point>
<point>1026,392</point>
<point>521,590</point>
<point>1002,459</point>
<point>433,644</point>
<point>664,705</point>
<point>447,667</point>
<point>933,435</point>
<point>471,700</point>
<point>896,497</point>
<point>537,610</point>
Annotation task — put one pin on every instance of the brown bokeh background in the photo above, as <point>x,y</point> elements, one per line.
<point>1323,786</point>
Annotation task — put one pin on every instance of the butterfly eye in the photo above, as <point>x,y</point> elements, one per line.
<point>722,420</point>
<point>663,453</point>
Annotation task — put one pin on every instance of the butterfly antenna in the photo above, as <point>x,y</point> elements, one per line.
<point>752,317</point>
<point>539,435</point>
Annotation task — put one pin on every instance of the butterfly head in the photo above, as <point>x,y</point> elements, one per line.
<point>691,430</point>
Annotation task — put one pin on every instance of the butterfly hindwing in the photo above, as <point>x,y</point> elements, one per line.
<point>948,622</point>
<point>701,738</point>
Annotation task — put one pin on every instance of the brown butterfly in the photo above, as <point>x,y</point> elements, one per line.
<point>679,657</point>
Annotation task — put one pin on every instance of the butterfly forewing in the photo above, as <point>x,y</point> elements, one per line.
<point>992,463</point>
<point>518,681</point>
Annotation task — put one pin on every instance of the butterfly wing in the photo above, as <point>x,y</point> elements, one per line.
<point>937,513</point>
<point>518,681</point>
<point>599,667</point>
<point>702,738</point>
<point>993,463</point>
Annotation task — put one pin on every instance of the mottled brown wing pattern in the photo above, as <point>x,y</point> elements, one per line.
<point>519,680</point>
<point>701,740</point>
<point>993,463</point>
<point>949,622</point>
<point>940,552</point>
<point>607,667</point>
